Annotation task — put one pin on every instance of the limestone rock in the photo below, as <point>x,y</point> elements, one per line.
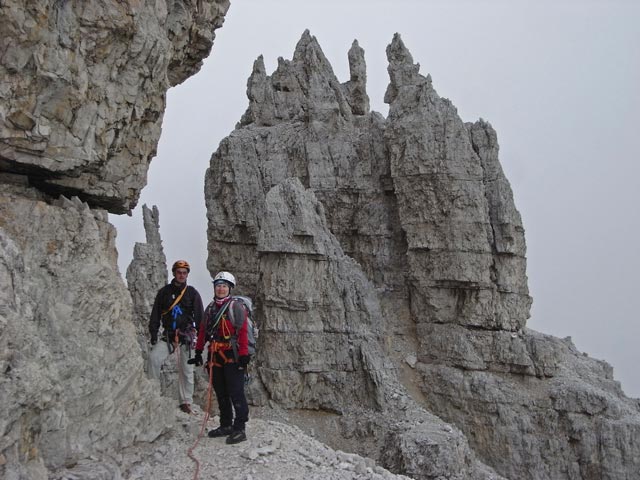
<point>82,89</point>
<point>418,452</point>
<point>82,94</point>
<point>356,87</point>
<point>146,274</point>
<point>72,381</point>
<point>451,200</point>
<point>284,234</point>
<point>316,301</point>
<point>273,451</point>
<point>549,427</point>
<point>367,241</point>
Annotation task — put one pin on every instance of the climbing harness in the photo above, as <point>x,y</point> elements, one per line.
<point>219,348</point>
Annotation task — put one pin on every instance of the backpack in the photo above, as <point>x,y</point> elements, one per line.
<point>252,329</point>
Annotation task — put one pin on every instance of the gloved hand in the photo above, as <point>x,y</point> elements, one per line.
<point>154,339</point>
<point>197,359</point>
<point>243,361</point>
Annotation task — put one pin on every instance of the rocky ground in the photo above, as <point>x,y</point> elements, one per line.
<point>273,451</point>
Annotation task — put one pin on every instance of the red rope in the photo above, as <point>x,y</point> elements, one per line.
<point>204,423</point>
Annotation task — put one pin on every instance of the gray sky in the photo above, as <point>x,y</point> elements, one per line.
<point>558,80</point>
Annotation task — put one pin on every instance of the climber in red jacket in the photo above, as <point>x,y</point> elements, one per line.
<point>225,329</point>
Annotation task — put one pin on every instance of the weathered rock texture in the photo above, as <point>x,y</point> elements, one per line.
<point>273,451</point>
<point>387,251</point>
<point>82,94</point>
<point>146,274</point>
<point>72,381</point>
<point>82,89</point>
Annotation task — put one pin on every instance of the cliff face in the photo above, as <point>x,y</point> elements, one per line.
<point>82,88</point>
<point>72,377</point>
<point>388,262</point>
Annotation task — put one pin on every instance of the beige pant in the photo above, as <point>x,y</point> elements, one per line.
<point>158,355</point>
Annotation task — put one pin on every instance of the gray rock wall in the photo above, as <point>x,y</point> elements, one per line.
<point>82,89</point>
<point>313,192</point>
<point>82,94</point>
<point>323,347</point>
<point>72,381</point>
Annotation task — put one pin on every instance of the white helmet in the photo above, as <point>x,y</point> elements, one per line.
<point>225,277</point>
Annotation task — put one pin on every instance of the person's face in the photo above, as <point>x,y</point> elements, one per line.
<point>181,274</point>
<point>221,290</point>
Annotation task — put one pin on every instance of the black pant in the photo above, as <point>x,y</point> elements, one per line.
<point>228,383</point>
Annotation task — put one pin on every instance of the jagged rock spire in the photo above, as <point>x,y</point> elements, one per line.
<point>356,87</point>
<point>417,204</point>
<point>450,208</point>
<point>403,73</point>
<point>146,274</point>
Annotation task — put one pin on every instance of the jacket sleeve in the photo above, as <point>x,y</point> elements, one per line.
<point>240,311</point>
<point>156,311</point>
<point>202,329</point>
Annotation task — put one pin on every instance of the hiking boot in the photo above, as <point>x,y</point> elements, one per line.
<point>220,432</point>
<point>186,408</point>
<point>236,437</point>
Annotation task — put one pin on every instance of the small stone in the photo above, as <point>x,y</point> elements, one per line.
<point>361,468</point>
<point>250,454</point>
<point>267,450</point>
<point>411,360</point>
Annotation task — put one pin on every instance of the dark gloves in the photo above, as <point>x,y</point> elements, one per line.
<point>197,360</point>
<point>243,361</point>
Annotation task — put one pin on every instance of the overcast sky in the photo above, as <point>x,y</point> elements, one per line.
<point>558,80</point>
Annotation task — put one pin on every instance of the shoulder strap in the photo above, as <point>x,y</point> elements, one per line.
<point>177,300</point>
<point>218,316</point>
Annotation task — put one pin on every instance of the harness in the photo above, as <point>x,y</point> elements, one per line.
<point>219,346</point>
<point>187,334</point>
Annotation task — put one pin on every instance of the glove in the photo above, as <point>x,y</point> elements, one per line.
<point>197,360</point>
<point>243,361</point>
<point>154,339</point>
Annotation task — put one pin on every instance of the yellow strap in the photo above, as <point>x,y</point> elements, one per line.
<point>176,301</point>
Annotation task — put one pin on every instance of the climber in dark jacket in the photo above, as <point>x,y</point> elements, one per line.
<point>228,357</point>
<point>178,308</point>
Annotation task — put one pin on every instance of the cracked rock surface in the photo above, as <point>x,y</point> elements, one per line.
<point>388,261</point>
<point>82,89</point>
